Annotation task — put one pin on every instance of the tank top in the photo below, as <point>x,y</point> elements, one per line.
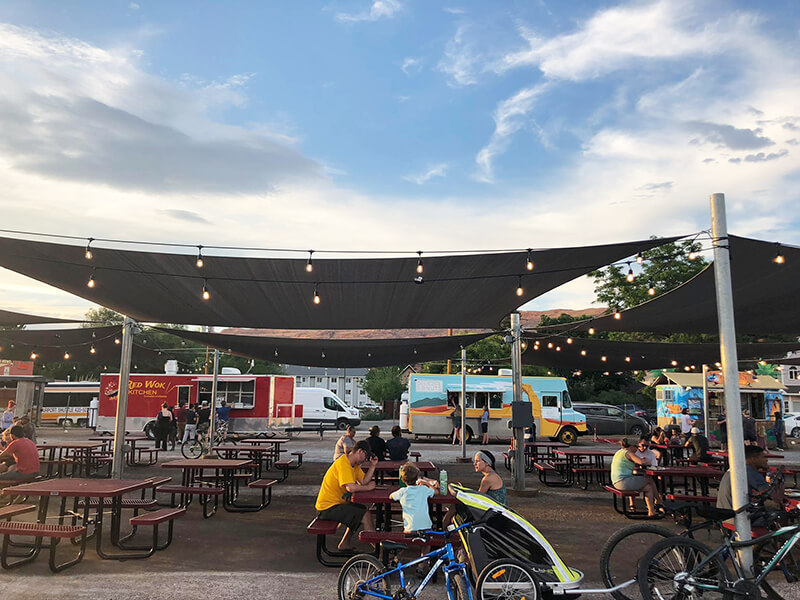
<point>498,495</point>
<point>621,466</point>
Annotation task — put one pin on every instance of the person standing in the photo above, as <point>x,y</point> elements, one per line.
<point>376,443</point>
<point>173,430</point>
<point>749,429</point>
<point>191,424</point>
<point>485,425</point>
<point>180,419</point>
<point>163,422</point>
<point>722,424</point>
<point>456,418</point>
<point>686,423</point>
<point>777,429</point>
<point>345,443</point>
<point>398,446</point>
<point>203,418</point>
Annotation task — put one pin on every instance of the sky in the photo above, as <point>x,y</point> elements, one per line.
<point>395,125</point>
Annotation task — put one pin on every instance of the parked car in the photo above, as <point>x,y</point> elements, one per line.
<point>605,419</point>
<point>791,424</point>
<point>634,409</point>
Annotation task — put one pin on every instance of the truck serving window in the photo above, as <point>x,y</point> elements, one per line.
<point>549,401</point>
<point>495,400</point>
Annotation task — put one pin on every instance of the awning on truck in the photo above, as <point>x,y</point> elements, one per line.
<point>459,291</point>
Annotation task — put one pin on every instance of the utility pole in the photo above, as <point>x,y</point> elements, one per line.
<point>463,403</point>
<point>516,382</point>
<point>212,417</point>
<point>118,460</point>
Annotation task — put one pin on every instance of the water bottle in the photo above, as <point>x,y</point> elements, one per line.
<point>442,481</point>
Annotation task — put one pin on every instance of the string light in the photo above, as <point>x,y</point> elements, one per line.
<point>66,355</point>
<point>520,291</point>
<point>91,283</point>
<point>627,359</point>
<point>549,344</point>
<point>591,330</point>
<point>276,353</point>
<point>674,363</point>
<point>199,261</point>
<point>92,350</point>
<point>604,358</point>
<point>529,261</point>
<point>33,355</point>
<point>206,293</point>
<point>583,352</point>
<point>309,263</point>
<point>569,340</point>
<point>317,299</point>
<point>630,276</point>
<point>88,254</point>
<point>617,314</point>
<point>420,268</point>
<point>651,290</point>
<point>762,362</point>
<point>558,348</point>
<point>692,255</point>
<point>779,258</point>
<point>116,340</point>
<point>686,368</point>
<point>639,258</point>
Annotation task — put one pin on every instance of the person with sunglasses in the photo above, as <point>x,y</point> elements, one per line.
<point>643,451</point>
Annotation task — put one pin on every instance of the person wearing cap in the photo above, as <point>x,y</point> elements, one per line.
<point>699,445</point>
<point>342,479</point>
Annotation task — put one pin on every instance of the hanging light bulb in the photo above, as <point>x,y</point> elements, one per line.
<point>34,355</point>
<point>686,368</point>
<point>91,283</point>
<point>309,262</point>
<point>692,255</point>
<point>630,276</point>
<point>779,258</point>
<point>651,290</point>
<point>276,353</point>
<point>116,340</point>
<point>317,299</point>
<point>617,314</point>
<point>206,293</point>
<point>323,354</point>
<point>569,340</point>
<point>627,359</point>
<point>591,330</point>
<point>66,355</point>
<point>604,358</point>
<point>88,254</point>
<point>674,363</point>
<point>529,261</point>
<point>558,348</point>
<point>549,344</point>
<point>92,350</point>
<point>639,258</point>
<point>583,352</point>
<point>520,291</point>
<point>199,262</point>
<point>420,268</point>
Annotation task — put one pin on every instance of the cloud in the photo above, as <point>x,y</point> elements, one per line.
<point>380,9</point>
<point>791,126</point>
<point>76,112</point>
<point>454,10</point>
<point>185,215</point>
<point>509,117</point>
<point>439,170</point>
<point>729,136</point>
<point>411,66</point>
<point>461,59</point>
<point>665,186</point>
<point>761,157</point>
<point>792,142</point>
<point>134,6</point>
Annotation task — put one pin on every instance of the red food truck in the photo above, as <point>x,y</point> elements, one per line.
<point>258,402</point>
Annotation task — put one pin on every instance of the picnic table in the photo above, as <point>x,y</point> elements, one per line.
<point>724,456</point>
<point>261,455</point>
<point>132,460</point>
<point>393,466</point>
<point>107,492</point>
<point>665,478</point>
<point>273,444</point>
<point>590,461</point>
<point>384,505</point>
<point>80,453</point>
<point>225,471</point>
<point>671,452</point>
<point>540,450</point>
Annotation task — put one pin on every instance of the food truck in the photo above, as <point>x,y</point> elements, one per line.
<point>432,400</point>
<point>762,395</point>
<point>258,402</point>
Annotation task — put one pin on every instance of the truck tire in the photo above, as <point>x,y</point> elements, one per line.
<point>342,424</point>
<point>796,432</point>
<point>468,436</point>
<point>150,430</point>
<point>568,435</point>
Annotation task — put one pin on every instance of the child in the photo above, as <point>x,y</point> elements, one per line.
<point>414,500</point>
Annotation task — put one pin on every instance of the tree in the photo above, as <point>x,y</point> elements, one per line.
<point>104,316</point>
<point>383,385</point>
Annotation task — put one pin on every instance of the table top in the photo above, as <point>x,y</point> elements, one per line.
<point>256,441</point>
<point>725,454</point>
<point>380,495</point>
<point>206,463</point>
<point>584,452</point>
<point>81,488</point>
<point>683,471</point>
<point>235,448</point>
<point>668,446</point>
<point>71,445</point>
<point>394,465</point>
<point>128,438</point>
<point>545,444</point>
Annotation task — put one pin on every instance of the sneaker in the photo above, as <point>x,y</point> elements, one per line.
<point>780,449</point>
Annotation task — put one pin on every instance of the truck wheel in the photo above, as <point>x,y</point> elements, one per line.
<point>150,430</point>
<point>568,435</point>
<point>342,424</point>
<point>65,422</point>
<point>468,437</point>
<point>796,432</point>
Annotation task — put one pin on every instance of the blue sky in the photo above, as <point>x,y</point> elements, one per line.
<point>391,124</point>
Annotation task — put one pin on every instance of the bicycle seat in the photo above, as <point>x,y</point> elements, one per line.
<point>390,546</point>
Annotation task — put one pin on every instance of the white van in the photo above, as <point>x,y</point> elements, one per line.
<point>325,407</point>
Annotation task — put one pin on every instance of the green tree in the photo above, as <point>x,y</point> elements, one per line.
<point>383,385</point>
<point>104,316</point>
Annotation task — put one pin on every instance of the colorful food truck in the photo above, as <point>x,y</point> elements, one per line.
<point>762,395</point>
<point>258,402</point>
<point>432,399</point>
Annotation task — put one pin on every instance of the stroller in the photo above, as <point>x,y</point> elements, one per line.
<point>505,534</point>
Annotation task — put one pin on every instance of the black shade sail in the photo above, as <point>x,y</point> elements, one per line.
<point>8,317</point>
<point>50,345</point>
<point>460,291</point>
<point>765,297</point>
<point>590,354</point>
<point>339,353</point>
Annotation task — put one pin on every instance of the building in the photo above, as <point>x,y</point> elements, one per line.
<point>345,383</point>
<point>790,378</point>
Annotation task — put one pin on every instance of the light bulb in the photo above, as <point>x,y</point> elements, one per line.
<point>692,255</point>
<point>617,315</point>
<point>569,340</point>
<point>520,291</point>
<point>199,261</point>
<point>604,358</point>
<point>93,350</point>
<point>66,355</point>
<point>88,254</point>
<point>549,344</point>
<point>116,340</point>
<point>591,330</point>
<point>91,282</point>
<point>583,352</point>
<point>674,363</point>
<point>420,268</point>
<point>206,293</point>
<point>529,261</point>
<point>779,258</point>
<point>558,348</point>
<point>310,263</point>
<point>639,258</point>
<point>630,276</point>
<point>317,299</point>
<point>33,355</point>
<point>627,359</point>
<point>651,290</point>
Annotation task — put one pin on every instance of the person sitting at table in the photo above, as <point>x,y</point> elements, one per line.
<point>414,501</point>
<point>491,483</point>
<point>398,446</point>
<point>756,462</point>
<point>376,443</point>
<point>345,443</point>
<point>699,445</point>
<point>658,436</point>
<point>20,460</point>
<point>623,479</point>
<point>28,429</point>
<point>342,479</point>
<point>163,422</point>
<point>643,450</point>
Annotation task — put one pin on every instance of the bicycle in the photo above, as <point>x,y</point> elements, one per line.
<point>197,447</point>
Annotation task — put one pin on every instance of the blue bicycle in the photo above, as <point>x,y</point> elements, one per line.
<point>364,576</point>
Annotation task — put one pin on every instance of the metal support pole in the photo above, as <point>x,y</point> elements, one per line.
<point>118,460</point>
<point>516,384</point>
<point>730,370</point>
<point>705,401</point>
<point>212,417</point>
<point>449,333</point>
<point>463,402</point>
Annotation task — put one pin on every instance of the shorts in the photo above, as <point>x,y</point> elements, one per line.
<point>203,427</point>
<point>750,438</point>
<point>349,514</point>
<point>16,475</point>
<point>630,484</point>
<point>484,428</point>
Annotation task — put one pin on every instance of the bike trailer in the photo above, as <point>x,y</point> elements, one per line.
<point>506,534</point>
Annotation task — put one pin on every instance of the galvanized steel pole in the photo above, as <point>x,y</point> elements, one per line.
<point>730,370</point>
<point>516,384</point>
<point>705,400</point>
<point>118,460</point>
<point>463,402</point>
<point>212,417</point>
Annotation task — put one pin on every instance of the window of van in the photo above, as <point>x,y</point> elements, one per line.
<point>331,404</point>
<point>566,401</point>
<point>495,400</point>
<point>549,401</point>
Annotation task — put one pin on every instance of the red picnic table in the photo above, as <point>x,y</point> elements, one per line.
<point>593,465</point>
<point>393,466</point>
<point>665,477</point>
<point>79,453</point>
<point>540,450</point>
<point>384,504</point>
<point>131,439</point>
<point>224,478</point>
<point>108,493</point>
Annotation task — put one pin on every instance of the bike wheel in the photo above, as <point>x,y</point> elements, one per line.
<point>620,556</point>
<point>356,571</point>
<point>506,578</point>
<point>788,567</point>
<point>192,449</point>
<point>670,568</point>
<point>460,586</point>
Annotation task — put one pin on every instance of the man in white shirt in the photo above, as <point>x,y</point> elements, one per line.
<point>643,451</point>
<point>686,423</point>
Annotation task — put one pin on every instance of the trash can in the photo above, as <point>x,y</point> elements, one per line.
<point>404,416</point>
<point>94,404</point>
